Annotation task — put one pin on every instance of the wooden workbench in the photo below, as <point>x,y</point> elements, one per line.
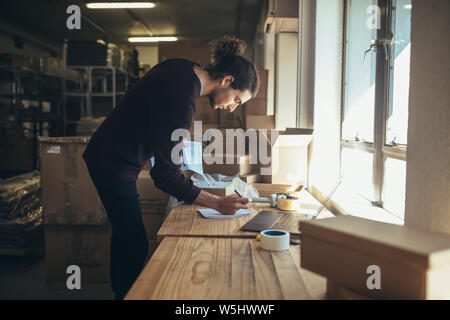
<point>224,268</point>
<point>185,221</point>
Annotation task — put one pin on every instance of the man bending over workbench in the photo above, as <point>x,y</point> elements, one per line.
<point>141,126</point>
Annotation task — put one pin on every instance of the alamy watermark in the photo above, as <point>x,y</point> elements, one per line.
<point>74,279</point>
<point>374,280</point>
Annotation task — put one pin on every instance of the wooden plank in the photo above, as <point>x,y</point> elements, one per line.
<point>221,269</point>
<point>185,221</point>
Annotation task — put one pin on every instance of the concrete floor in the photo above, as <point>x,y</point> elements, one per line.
<point>24,278</point>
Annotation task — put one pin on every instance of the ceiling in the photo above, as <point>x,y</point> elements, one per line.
<point>188,19</point>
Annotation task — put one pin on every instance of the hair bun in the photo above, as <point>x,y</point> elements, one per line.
<point>229,46</point>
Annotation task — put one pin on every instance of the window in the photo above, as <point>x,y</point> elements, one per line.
<point>375,100</point>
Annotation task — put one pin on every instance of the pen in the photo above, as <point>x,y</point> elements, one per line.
<point>237,193</point>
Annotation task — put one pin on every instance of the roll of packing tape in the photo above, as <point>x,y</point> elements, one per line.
<point>288,202</point>
<point>274,240</point>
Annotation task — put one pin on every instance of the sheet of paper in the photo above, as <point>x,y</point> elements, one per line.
<point>214,214</point>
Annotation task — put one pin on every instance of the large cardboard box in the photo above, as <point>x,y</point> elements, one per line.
<point>353,253</point>
<point>194,50</point>
<point>239,164</point>
<point>68,195</point>
<point>259,122</point>
<point>151,198</point>
<point>256,106</point>
<point>87,247</point>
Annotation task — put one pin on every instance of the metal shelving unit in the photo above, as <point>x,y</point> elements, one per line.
<point>96,82</point>
<point>17,77</point>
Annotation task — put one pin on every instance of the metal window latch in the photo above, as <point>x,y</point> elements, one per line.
<point>376,43</point>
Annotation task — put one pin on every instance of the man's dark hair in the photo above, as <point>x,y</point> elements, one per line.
<point>228,60</point>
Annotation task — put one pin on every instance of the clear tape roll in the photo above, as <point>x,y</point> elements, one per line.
<point>275,240</point>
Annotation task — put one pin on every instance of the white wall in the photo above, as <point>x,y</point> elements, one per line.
<point>428,164</point>
<point>286,81</point>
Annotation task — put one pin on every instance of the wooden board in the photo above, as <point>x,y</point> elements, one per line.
<point>221,268</point>
<point>184,220</point>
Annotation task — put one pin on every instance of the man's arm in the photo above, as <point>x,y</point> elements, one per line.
<point>226,205</point>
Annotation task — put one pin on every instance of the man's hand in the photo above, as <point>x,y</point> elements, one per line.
<point>231,204</point>
<point>225,205</point>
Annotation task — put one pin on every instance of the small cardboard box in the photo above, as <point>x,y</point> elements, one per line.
<point>251,178</point>
<point>240,164</point>
<point>256,106</point>
<point>267,189</point>
<point>151,198</point>
<point>85,246</point>
<point>233,119</point>
<point>259,122</point>
<point>68,195</point>
<point>357,254</point>
<point>289,158</point>
<point>219,188</point>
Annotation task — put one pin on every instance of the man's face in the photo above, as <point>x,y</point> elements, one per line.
<point>228,98</point>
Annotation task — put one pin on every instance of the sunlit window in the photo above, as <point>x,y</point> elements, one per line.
<point>375,102</point>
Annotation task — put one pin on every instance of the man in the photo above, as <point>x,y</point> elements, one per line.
<point>141,126</point>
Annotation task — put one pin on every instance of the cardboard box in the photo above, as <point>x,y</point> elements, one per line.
<point>85,246</point>
<point>236,137</point>
<point>259,122</point>
<point>233,119</point>
<point>263,83</point>
<point>267,189</point>
<point>219,189</point>
<point>151,198</point>
<point>68,195</point>
<point>205,112</point>
<point>194,50</point>
<point>240,165</point>
<point>413,264</point>
<point>288,158</point>
<point>256,106</point>
<point>251,178</point>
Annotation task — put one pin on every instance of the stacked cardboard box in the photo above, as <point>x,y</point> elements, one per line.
<point>256,109</point>
<point>77,231</point>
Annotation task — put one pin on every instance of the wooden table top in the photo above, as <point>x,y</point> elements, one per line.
<point>224,268</point>
<point>185,221</point>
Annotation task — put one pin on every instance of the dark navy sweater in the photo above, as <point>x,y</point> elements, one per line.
<point>141,126</point>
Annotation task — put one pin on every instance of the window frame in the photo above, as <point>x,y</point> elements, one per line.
<point>380,148</point>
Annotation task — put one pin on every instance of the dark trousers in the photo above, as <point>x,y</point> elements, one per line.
<point>129,244</point>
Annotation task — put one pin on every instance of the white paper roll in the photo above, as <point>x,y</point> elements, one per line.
<point>274,240</point>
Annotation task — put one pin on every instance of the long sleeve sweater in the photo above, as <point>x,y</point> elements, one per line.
<point>141,126</point>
